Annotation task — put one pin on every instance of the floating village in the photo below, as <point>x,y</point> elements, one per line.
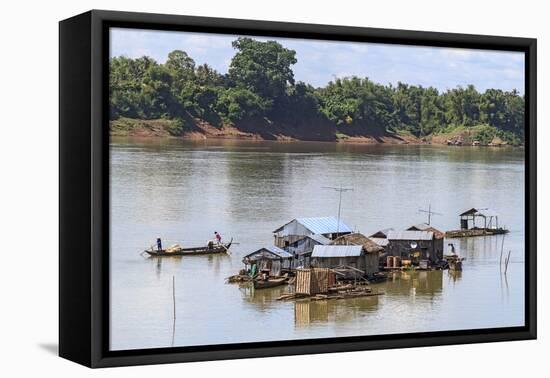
<point>322,258</point>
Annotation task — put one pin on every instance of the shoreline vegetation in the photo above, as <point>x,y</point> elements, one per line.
<point>258,99</point>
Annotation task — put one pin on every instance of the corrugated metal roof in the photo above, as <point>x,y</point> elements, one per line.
<point>273,250</point>
<point>319,239</point>
<point>278,251</point>
<point>324,225</point>
<point>382,242</point>
<point>410,235</point>
<point>337,251</point>
<point>471,211</point>
<point>320,225</point>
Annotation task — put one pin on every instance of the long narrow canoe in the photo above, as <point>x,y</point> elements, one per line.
<point>192,251</point>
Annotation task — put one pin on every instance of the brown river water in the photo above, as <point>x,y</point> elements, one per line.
<point>183,191</point>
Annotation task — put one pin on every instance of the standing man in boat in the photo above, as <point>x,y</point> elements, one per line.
<point>218,237</point>
<point>159,244</point>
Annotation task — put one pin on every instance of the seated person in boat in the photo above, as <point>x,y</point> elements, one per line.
<point>159,245</point>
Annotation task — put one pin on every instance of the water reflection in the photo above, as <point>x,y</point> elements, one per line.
<point>262,298</point>
<point>307,312</point>
<point>158,262</point>
<point>413,283</point>
<point>454,275</point>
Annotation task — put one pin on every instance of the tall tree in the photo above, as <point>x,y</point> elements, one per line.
<point>264,68</point>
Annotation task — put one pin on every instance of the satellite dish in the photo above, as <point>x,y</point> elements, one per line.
<point>414,245</point>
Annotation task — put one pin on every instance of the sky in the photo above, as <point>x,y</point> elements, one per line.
<point>322,61</point>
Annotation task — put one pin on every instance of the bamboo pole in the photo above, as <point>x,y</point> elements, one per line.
<point>507,261</point>
<point>174,295</point>
<point>174,309</point>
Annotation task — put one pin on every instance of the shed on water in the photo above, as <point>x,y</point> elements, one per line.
<point>371,249</point>
<point>297,228</point>
<point>314,281</point>
<point>354,256</point>
<point>468,220</point>
<point>269,259</point>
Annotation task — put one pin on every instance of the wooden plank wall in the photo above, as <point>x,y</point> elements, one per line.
<point>314,281</point>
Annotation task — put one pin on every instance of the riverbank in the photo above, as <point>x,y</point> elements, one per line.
<point>262,130</point>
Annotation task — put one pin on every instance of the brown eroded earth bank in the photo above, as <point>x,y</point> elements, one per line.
<point>263,130</point>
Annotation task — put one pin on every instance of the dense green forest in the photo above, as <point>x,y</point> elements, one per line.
<point>260,86</point>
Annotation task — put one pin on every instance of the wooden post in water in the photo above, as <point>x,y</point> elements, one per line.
<point>174,307</point>
<point>174,295</point>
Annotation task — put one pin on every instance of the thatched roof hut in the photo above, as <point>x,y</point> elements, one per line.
<point>426,227</point>
<point>358,239</point>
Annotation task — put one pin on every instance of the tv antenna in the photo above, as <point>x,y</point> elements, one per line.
<point>429,212</point>
<point>340,190</point>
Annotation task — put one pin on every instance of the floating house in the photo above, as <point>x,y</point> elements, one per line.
<point>371,248</point>
<point>487,224</point>
<point>296,229</point>
<point>272,260</point>
<point>345,256</point>
<point>415,245</point>
<point>302,248</point>
<point>468,220</point>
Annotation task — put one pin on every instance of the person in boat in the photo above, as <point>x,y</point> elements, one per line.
<point>218,237</point>
<point>159,244</point>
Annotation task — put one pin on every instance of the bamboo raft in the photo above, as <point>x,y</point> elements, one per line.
<point>192,251</point>
<point>336,292</point>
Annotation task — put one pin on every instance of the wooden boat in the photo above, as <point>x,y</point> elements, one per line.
<point>270,282</point>
<point>192,251</point>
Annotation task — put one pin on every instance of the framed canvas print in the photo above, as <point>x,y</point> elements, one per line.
<point>234,188</point>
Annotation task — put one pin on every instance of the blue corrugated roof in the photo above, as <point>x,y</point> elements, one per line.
<point>279,251</point>
<point>337,251</point>
<point>274,250</point>
<point>319,239</point>
<point>324,225</point>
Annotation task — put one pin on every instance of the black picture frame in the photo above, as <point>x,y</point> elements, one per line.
<point>84,194</point>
